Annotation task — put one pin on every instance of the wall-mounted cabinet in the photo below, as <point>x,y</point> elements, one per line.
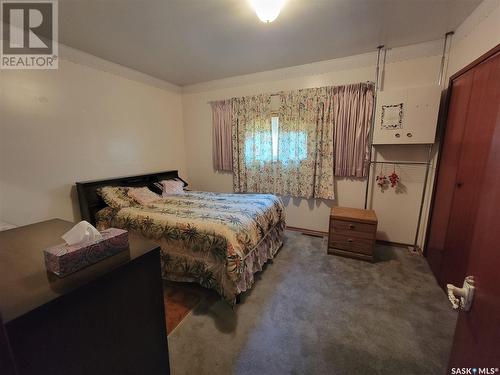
<point>407,116</point>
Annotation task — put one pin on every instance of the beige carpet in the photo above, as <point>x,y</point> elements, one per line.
<point>314,313</point>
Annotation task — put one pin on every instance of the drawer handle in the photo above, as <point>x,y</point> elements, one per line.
<point>352,226</point>
<point>349,240</point>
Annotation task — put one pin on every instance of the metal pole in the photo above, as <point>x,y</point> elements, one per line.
<point>370,134</point>
<point>399,162</point>
<point>422,200</point>
<point>441,69</point>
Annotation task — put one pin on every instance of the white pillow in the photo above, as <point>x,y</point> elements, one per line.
<point>142,195</point>
<point>172,187</point>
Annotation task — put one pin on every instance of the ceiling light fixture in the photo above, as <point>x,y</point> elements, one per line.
<point>267,10</point>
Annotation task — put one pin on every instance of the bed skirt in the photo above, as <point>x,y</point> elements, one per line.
<point>209,271</point>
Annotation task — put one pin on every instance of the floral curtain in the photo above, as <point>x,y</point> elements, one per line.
<point>288,153</point>
<point>316,134</point>
<point>305,144</point>
<point>253,167</point>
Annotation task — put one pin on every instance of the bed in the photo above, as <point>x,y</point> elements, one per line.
<point>218,240</point>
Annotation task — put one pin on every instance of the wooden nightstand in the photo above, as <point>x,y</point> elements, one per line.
<point>352,232</point>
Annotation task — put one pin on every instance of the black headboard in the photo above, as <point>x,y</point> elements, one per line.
<point>90,202</point>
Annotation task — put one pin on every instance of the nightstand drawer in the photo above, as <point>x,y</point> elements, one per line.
<point>353,229</point>
<point>356,245</point>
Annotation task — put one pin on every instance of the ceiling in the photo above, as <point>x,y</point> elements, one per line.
<point>190,41</point>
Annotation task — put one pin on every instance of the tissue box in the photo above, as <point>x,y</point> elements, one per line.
<point>65,259</point>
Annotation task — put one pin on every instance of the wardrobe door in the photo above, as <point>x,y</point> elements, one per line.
<point>448,166</point>
<point>477,335</point>
<point>470,125</point>
<point>481,119</point>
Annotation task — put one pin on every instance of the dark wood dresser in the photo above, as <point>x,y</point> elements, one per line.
<point>108,318</point>
<point>352,232</point>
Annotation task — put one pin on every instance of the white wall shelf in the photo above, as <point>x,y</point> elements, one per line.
<point>407,116</point>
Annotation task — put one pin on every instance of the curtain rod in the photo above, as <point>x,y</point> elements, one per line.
<point>279,92</point>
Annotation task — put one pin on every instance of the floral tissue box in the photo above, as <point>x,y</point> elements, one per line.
<point>65,259</point>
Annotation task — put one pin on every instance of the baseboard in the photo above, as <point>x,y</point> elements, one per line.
<point>317,233</point>
<point>396,244</point>
<point>309,232</point>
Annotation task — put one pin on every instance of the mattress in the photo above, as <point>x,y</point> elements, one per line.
<point>216,239</point>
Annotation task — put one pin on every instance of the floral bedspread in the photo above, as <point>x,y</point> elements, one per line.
<point>210,238</point>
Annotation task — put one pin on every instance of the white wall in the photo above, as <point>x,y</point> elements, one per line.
<point>479,33</point>
<point>397,211</point>
<point>88,119</point>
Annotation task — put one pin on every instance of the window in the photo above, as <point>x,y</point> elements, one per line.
<point>263,147</point>
<point>275,129</point>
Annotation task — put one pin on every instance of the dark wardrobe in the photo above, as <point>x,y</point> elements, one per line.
<point>464,234</point>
